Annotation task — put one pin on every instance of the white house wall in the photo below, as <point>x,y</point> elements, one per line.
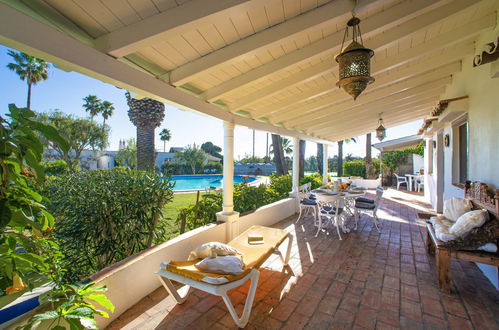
<point>483,134</point>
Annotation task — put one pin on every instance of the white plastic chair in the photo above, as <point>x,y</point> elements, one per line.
<point>401,180</point>
<point>367,207</point>
<point>419,183</point>
<point>306,203</point>
<point>330,207</point>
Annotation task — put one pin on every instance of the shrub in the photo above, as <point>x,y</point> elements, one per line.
<point>314,178</point>
<point>55,168</point>
<point>246,198</point>
<point>354,168</point>
<point>105,216</point>
<point>214,166</point>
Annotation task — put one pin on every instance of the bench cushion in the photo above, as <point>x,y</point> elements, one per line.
<point>456,207</point>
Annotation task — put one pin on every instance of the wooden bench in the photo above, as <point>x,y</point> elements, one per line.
<point>481,199</point>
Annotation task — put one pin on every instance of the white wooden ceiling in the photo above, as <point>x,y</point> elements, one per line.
<point>273,60</point>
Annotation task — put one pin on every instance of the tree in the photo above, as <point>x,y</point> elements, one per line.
<point>277,151</point>
<point>320,155</point>
<point>301,161</point>
<point>127,156</point>
<point>164,136</point>
<point>29,68</point>
<point>80,134</point>
<point>92,105</point>
<point>146,114</point>
<point>286,146</point>
<point>370,170</point>
<point>193,157</point>
<point>211,149</point>
<point>106,110</point>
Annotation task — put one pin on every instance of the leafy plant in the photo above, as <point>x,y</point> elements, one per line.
<point>23,217</point>
<point>127,156</point>
<point>105,216</point>
<point>354,168</point>
<point>314,178</point>
<point>55,168</point>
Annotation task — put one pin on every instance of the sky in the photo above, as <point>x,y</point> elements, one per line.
<point>65,90</point>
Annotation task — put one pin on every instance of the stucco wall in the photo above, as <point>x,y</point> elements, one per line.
<point>483,134</point>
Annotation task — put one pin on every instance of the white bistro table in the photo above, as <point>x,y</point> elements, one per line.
<point>412,180</point>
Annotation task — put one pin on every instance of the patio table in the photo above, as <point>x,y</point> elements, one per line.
<point>412,179</point>
<point>347,201</point>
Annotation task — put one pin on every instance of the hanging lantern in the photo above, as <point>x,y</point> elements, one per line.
<point>381,130</point>
<point>354,62</point>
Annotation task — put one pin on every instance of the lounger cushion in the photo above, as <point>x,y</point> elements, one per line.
<point>212,249</point>
<point>442,226</point>
<point>469,221</point>
<point>253,256</point>
<point>456,207</point>
<point>226,265</point>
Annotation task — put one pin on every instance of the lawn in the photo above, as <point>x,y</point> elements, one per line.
<point>170,211</point>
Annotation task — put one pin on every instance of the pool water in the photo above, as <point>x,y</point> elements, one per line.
<point>194,182</point>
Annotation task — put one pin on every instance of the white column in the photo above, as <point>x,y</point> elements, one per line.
<point>296,166</point>
<point>324,164</point>
<point>228,215</point>
<point>228,171</point>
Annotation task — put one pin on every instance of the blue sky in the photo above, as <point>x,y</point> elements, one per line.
<point>65,90</point>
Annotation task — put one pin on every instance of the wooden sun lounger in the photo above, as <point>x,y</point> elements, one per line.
<point>253,257</point>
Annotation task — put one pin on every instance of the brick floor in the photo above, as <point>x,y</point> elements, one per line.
<point>369,280</point>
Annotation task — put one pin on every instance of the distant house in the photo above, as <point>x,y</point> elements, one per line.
<point>176,149</point>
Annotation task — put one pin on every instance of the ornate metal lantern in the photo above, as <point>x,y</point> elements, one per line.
<point>381,130</point>
<point>354,62</point>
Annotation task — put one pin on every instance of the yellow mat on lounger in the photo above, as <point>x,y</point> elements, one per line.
<point>253,256</point>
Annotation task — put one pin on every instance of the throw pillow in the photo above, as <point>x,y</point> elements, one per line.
<point>468,222</point>
<point>456,207</point>
<point>212,249</point>
<point>227,265</point>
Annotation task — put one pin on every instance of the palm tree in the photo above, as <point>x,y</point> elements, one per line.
<point>92,105</point>
<point>301,161</point>
<point>286,146</point>
<point>106,110</point>
<point>370,171</point>
<point>29,68</point>
<point>164,136</point>
<point>276,148</point>
<point>146,114</point>
<point>320,154</point>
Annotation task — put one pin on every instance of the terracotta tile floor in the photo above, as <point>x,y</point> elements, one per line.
<point>368,280</point>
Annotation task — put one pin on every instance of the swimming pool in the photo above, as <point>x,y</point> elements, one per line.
<point>195,182</point>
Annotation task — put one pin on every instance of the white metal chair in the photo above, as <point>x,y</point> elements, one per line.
<point>307,204</point>
<point>401,180</point>
<point>368,207</point>
<point>331,208</point>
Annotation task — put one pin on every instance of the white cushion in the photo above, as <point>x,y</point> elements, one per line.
<point>456,207</point>
<point>212,249</point>
<point>441,226</point>
<point>489,247</point>
<point>469,221</point>
<point>228,265</point>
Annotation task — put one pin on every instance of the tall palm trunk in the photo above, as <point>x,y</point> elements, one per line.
<point>279,160</point>
<point>145,148</point>
<point>370,172</point>
<point>301,161</point>
<point>28,102</point>
<point>320,155</point>
<point>340,158</point>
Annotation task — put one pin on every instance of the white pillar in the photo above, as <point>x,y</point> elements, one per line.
<point>228,215</point>
<point>296,166</point>
<point>324,164</point>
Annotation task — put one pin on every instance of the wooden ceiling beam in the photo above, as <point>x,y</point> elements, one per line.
<point>178,20</point>
<point>403,14</point>
<point>329,13</point>
<point>434,77</point>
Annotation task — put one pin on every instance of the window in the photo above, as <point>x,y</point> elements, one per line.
<point>462,131</point>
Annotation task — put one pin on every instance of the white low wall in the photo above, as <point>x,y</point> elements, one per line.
<point>370,184</point>
<point>133,278</point>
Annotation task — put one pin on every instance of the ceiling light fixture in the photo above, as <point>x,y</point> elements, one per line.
<point>381,130</point>
<point>354,62</point>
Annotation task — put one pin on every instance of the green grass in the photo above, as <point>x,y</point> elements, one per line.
<point>170,211</point>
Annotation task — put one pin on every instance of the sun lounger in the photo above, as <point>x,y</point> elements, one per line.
<point>253,255</point>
